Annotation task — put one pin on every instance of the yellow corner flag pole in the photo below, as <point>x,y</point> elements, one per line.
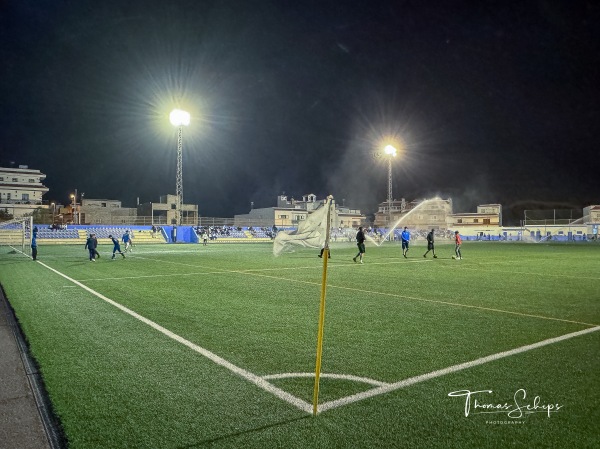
<point>322,309</point>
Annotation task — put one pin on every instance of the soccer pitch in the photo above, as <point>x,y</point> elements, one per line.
<point>191,346</point>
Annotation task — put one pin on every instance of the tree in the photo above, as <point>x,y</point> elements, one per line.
<point>4,215</point>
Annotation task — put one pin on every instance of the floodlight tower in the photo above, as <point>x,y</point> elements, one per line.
<point>180,119</point>
<point>390,151</point>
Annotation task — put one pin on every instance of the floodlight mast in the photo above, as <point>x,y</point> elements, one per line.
<point>391,153</point>
<point>180,119</point>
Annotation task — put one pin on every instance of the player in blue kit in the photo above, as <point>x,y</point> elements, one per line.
<point>116,248</point>
<point>405,237</point>
<point>127,241</point>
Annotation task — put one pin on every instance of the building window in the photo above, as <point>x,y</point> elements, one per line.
<point>476,220</point>
<point>15,180</point>
<point>32,180</point>
<point>1,178</point>
<point>459,220</point>
<point>486,221</point>
<point>25,196</point>
<point>283,216</point>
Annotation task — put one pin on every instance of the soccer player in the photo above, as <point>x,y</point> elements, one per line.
<point>204,238</point>
<point>458,242</point>
<point>116,248</point>
<point>96,253</point>
<point>430,245</point>
<point>360,242</point>
<point>127,241</point>
<point>323,250</point>
<point>34,243</point>
<point>90,245</point>
<point>405,237</point>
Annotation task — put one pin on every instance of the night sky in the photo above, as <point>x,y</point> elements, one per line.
<point>490,101</point>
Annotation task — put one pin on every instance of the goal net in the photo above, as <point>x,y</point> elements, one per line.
<point>15,236</point>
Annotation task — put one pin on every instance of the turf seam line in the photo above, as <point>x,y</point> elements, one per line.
<point>395,295</point>
<point>253,378</point>
<point>249,271</point>
<point>435,301</point>
<point>449,370</point>
<point>530,273</point>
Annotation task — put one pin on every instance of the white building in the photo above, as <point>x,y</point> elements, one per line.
<point>418,214</point>
<point>291,212</point>
<point>21,190</point>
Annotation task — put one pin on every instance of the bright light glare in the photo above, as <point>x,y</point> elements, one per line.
<point>179,117</point>
<point>390,150</point>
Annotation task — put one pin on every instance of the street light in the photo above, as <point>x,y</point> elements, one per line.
<point>390,151</point>
<point>53,211</point>
<point>180,119</point>
<point>73,205</point>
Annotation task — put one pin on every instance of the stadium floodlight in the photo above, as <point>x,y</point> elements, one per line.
<point>391,153</point>
<point>390,150</point>
<point>180,119</point>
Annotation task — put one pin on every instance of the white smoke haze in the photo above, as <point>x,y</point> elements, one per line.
<point>358,179</point>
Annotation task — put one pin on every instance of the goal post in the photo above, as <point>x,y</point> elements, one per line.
<point>15,236</point>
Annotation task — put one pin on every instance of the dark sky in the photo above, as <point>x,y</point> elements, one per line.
<point>492,101</point>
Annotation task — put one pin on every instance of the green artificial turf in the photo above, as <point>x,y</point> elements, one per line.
<point>116,382</point>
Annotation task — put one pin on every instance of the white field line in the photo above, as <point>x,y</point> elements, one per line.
<point>19,251</point>
<point>451,369</point>
<point>253,378</point>
<point>262,383</point>
<point>399,261</point>
<point>365,380</point>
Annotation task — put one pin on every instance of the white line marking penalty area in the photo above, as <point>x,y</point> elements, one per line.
<point>253,378</point>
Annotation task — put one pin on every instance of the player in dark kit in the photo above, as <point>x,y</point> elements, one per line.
<point>90,245</point>
<point>430,245</point>
<point>116,248</point>
<point>34,243</point>
<point>360,242</point>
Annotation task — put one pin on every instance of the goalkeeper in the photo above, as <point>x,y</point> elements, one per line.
<point>34,243</point>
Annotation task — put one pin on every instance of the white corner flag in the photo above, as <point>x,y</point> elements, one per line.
<point>311,232</point>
